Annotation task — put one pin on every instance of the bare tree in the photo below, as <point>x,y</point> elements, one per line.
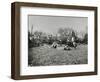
<point>66,34</point>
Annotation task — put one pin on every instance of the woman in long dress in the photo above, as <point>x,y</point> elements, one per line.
<point>73,42</point>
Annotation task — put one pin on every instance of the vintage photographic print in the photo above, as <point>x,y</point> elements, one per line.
<point>53,40</point>
<point>57,40</point>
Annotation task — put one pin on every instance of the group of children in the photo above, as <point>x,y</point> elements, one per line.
<point>69,44</point>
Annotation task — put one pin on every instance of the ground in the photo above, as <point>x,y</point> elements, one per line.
<point>45,56</point>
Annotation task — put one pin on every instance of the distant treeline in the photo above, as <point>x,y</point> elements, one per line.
<point>63,35</point>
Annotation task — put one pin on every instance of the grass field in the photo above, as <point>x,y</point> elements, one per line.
<point>45,56</point>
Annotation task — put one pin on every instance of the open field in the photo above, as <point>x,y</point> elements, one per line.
<point>46,56</point>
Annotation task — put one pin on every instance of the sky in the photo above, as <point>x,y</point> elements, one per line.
<point>51,24</point>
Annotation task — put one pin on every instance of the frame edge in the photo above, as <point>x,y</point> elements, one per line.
<point>15,71</point>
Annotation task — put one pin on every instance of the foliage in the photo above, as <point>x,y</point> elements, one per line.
<point>66,34</point>
<point>63,35</point>
<point>85,40</point>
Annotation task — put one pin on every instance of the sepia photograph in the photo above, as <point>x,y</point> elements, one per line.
<point>57,40</point>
